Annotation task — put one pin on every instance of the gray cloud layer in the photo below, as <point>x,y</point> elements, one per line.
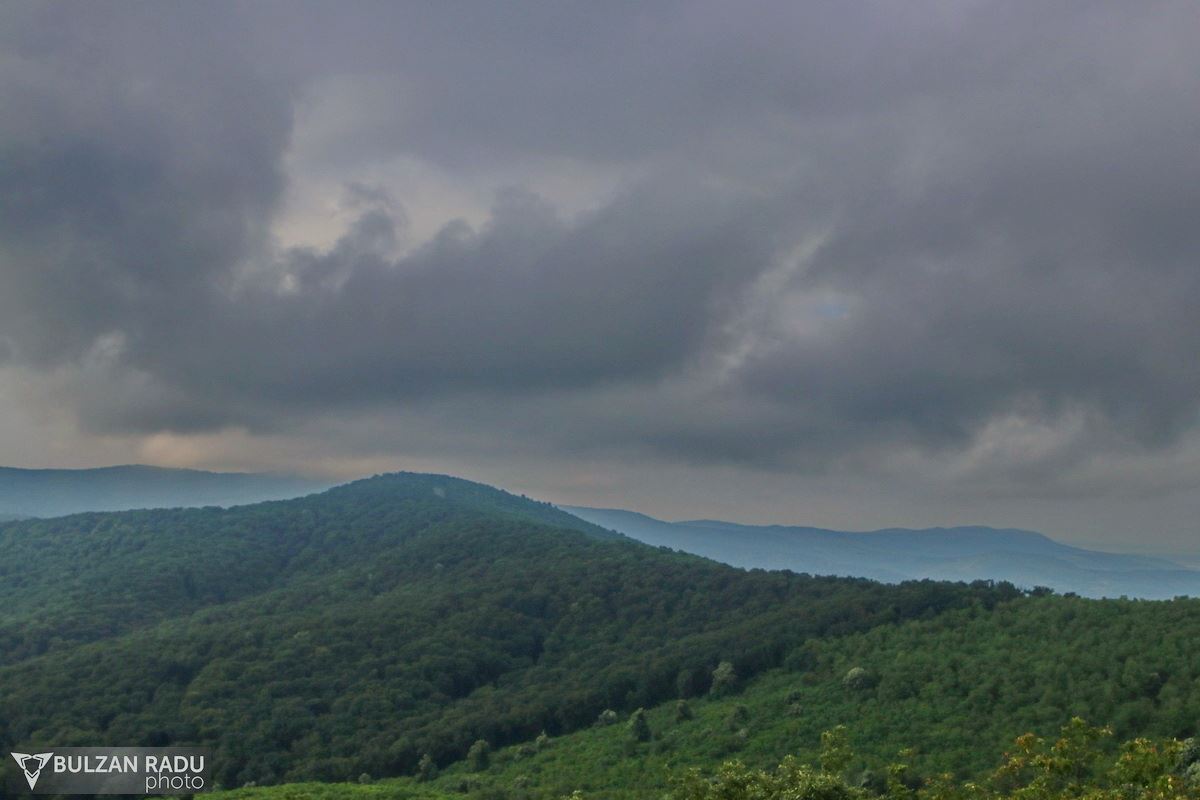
<point>952,237</point>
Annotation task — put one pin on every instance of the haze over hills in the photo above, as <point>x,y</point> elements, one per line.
<point>967,553</point>
<point>57,492</point>
<point>1025,558</point>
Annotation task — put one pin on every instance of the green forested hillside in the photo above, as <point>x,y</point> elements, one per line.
<point>953,693</point>
<point>358,630</point>
<point>408,624</point>
<point>90,576</point>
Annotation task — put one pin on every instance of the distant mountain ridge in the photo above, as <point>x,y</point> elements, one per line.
<point>58,492</point>
<point>1026,558</point>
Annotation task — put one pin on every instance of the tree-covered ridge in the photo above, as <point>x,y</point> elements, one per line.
<point>91,576</point>
<point>954,691</point>
<point>963,553</point>
<point>407,623</point>
<point>359,630</point>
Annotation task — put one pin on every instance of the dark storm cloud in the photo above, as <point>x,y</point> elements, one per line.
<point>139,160</point>
<point>845,231</point>
<point>527,303</point>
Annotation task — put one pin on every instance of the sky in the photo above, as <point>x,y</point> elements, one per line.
<point>849,264</point>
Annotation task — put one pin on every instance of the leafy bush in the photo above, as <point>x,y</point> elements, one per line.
<point>1074,766</point>
<point>739,717</point>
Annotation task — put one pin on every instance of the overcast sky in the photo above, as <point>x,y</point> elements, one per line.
<point>837,263</point>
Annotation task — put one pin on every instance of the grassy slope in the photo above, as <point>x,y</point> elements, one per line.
<point>958,689</point>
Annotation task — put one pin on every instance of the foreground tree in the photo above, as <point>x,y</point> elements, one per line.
<point>639,728</point>
<point>479,756</point>
<point>791,780</point>
<point>426,768</point>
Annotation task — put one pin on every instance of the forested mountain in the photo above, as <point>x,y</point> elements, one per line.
<point>388,627</point>
<point>362,628</point>
<point>1024,558</point>
<point>56,492</point>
